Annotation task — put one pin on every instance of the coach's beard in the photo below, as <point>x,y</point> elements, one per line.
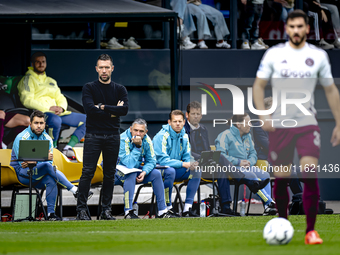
<point>297,43</point>
<point>105,79</point>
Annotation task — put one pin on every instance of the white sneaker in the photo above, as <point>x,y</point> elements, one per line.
<point>257,46</point>
<point>113,44</point>
<point>4,146</point>
<point>223,44</point>
<point>245,45</point>
<point>261,42</point>
<point>187,44</point>
<point>336,43</point>
<point>180,29</point>
<point>325,45</point>
<point>131,43</point>
<point>70,154</point>
<point>202,45</point>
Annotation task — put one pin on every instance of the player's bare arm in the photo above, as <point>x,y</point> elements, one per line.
<point>332,95</point>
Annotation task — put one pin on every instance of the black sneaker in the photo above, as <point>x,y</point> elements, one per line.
<point>270,209</point>
<point>173,213</point>
<point>106,215</point>
<point>229,211</point>
<point>190,214</point>
<point>54,217</point>
<point>255,186</point>
<point>168,214</point>
<point>88,196</point>
<point>82,215</point>
<point>131,215</point>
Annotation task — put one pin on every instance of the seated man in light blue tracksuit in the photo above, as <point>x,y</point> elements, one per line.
<point>237,146</point>
<point>136,151</point>
<point>44,175</point>
<point>172,148</point>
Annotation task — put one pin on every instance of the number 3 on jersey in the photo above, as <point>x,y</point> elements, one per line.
<point>317,140</point>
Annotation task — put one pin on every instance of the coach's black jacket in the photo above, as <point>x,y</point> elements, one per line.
<point>202,133</point>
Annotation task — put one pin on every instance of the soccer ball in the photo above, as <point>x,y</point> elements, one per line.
<point>278,231</point>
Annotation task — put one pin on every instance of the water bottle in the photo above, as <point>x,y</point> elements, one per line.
<point>243,208</point>
<point>135,207</point>
<point>202,209</point>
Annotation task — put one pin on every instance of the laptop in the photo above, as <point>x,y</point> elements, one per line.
<point>207,155</point>
<point>33,150</point>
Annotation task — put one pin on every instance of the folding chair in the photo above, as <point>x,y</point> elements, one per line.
<point>152,205</point>
<point>262,164</point>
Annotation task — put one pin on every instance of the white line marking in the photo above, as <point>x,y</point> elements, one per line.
<point>145,232</point>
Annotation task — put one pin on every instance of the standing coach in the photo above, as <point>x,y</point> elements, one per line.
<point>104,102</point>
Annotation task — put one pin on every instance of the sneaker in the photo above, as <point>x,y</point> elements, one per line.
<point>202,45</point>
<point>245,45</point>
<point>113,44</point>
<point>187,44</point>
<point>261,42</point>
<point>106,215</point>
<point>190,214</point>
<point>229,211</point>
<point>180,30</point>
<point>336,43</point>
<point>82,215</point>
<point>312,237</point>
<point>270,209</point>
<point>70,154</point>
<point>131,215</point>
<point>166,215</point>
<point>4,146</point>
<point>325,45</point>
<point>173,213</point>
<point>131,44</point>
<point>54,217</point>
<point>257,46</point>
<point>103,44</point>
<point>255,186</point>
<point>223,45</point>
<point>88,196</point>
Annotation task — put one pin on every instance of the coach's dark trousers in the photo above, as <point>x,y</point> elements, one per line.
<point>93,146</point>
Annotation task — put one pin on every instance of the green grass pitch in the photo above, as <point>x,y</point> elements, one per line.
<point>241,235</point>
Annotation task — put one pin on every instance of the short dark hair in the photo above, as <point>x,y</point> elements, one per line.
<point>37,54</point>
<point>38,114</point>
<point>176,112</point>
<point>105,57</point>
<point>193,104</point>
<point>237,118</point>
<point>298,14</point>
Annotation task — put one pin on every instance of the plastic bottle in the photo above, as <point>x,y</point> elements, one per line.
<point>135,207</point>
<point>208,209</point>
<point>202,209</point>
<point>243,208</point>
